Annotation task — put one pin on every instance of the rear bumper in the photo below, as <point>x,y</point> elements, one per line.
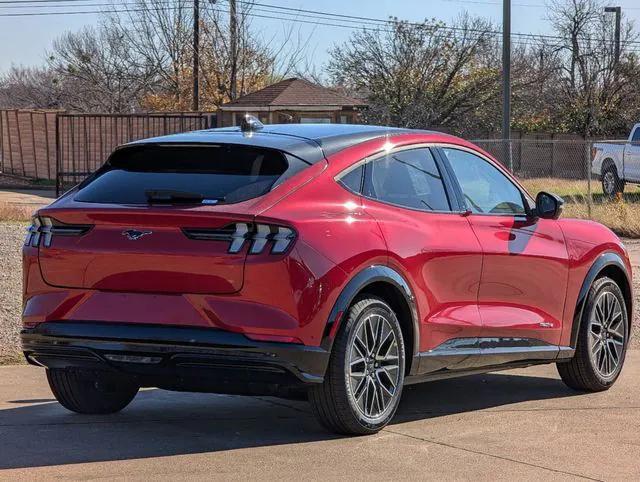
<point>177,358</point>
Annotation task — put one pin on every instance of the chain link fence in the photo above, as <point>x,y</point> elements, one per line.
<point>597,179</point>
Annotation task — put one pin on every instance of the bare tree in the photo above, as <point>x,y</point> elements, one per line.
<point>595,90</point>
<point>253,61</point>
<point>99,71</point>
<point>31,87</point>
<point>419,75</point>
<point>159,36</point>
<point>141,58</point>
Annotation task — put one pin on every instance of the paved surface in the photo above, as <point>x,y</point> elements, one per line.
<point>35,198</point>
<point>516,425</point>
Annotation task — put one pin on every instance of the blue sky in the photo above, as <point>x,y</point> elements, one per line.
<point>24,40</point>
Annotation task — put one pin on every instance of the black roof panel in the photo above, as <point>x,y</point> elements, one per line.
<point>311,142</point>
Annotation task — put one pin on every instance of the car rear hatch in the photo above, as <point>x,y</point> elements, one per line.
<point>163,219</point>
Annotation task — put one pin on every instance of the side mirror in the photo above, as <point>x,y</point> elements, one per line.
<point>548,206</point>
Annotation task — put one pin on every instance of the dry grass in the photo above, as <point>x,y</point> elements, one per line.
<point>567,188</point>
<point>11,212</point>
<point>622,216</point>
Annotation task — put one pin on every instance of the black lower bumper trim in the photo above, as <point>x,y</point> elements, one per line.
<point>180,358</point>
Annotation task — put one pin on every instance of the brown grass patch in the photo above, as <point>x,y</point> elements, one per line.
<point>621,216</point>
<point>566,188</point>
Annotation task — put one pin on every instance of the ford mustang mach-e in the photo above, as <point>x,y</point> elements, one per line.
<point>338,262</point>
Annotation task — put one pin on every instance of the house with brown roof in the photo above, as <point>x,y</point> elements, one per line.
<point>292,101</point>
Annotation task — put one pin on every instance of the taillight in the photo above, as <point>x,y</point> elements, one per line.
<point>43,228</point>
<point>259,236</point>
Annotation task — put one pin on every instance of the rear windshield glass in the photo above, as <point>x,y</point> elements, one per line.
<point>209,174</point>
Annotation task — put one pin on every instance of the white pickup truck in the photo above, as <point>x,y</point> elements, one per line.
<point>617,163</point>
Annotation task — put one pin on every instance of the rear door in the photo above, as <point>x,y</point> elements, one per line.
<point>161,218</point>
<point>429,239</point>
<point>525,261</point>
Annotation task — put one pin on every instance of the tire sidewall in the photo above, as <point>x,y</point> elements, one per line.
<point>356,316</point>
<point>600,286</point>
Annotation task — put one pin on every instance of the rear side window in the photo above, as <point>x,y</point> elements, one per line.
<point>210,174</point>
<point>409,178</point>
<point>353,179</point>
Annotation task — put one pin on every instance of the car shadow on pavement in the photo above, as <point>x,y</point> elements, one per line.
<point>160,423</point>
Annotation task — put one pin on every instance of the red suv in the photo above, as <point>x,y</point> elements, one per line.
<point>338,262</point>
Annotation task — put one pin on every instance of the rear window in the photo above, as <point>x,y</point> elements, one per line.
<point>208,174</point>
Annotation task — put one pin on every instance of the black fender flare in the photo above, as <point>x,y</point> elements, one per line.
<point>602,261</point>
<point>360,281</point>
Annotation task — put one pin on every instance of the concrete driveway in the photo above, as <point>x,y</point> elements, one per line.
<point>520,424</point>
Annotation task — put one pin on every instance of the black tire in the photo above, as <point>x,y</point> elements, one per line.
<point>334,402</point>
<point>581,372</point>
<point>83,393</point>
<point>612,185</point>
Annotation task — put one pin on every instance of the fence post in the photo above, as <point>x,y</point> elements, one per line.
<point>33,145</point>
<point>24,172</point>
<point>47,147</point>
<point>553,156</point>
<point>1,143</point>
<point>589,193</point>
<point>58,155</point>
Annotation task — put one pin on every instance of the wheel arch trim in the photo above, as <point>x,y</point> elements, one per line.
<point>358,283</point>
<point>602,262</point>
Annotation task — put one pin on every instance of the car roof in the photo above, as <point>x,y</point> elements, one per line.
<point>310,142</point>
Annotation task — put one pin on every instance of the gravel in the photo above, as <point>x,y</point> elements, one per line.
<point>12,236</point>
<point>11,239</point>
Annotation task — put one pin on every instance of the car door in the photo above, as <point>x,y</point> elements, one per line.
<point>429,241</point>
<point>525,261</point>
<point>632,157</point>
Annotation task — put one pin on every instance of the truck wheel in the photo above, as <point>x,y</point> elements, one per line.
<point>83,393</point>
<point>611,183</point>
<point>602,340</point>
<point>362,387</point>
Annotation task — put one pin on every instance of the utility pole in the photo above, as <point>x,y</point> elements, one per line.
<point>196,56</point>
<point>616,54</point>
<point>233,44</point>
<point>506,80</point>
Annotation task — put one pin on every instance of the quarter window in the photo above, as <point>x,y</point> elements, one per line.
<point>353,179</point>
<point>484,187</point>
<point>409,178</point>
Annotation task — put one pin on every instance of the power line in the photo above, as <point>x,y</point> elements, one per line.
<point>356,18</point>
<point>18,2</point>
<point>311,17</point>
<point>533,5</point>
<point>478,2</point>
<point>93,5</point>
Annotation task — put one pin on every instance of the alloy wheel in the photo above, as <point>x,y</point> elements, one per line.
<point>607,334</point>
<point>374,370</point>
<point>609,182</point>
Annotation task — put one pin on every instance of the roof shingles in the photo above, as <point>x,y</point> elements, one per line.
<point>294,92</point>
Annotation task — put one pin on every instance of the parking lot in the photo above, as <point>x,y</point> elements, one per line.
<point>513,425</point>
